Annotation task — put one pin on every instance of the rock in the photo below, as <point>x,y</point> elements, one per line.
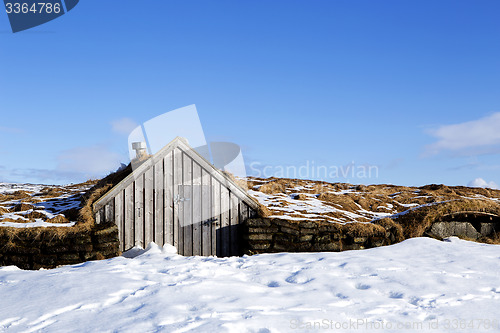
<point>459,229</point>
<point>266,237</point>
<point>260,246</point>
<point>258,222</point>
<point>268,230</point>
<point>290,231</point>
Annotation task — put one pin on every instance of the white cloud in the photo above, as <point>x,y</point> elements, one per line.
<point>123,126</point>
<point>472,138</point>
<point>90,161</point>
<point>480,182</point>
<point>74,165</point>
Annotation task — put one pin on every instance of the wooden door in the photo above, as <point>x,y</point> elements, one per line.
<point>198,207</point>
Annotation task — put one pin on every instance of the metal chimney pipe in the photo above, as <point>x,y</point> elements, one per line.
<point>140,149</point>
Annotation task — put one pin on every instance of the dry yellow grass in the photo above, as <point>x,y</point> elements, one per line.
<point>58,219</point>
<point>35,215</point>
<point>18,195</point>
<point>18,220</point>
<point>52,192</point>
<point>21,207</point>
<point>277,186</point>
<point>86,214</point>
<point>364,230</point>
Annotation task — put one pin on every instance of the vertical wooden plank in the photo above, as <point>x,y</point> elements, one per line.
<point>196,195</point>
<point>206,214</point>
<point>187,224</point>
<point>158,203</point>
<point>148,207</point>
<point>234,229</point>
<point>128,231</point>
<point>215,226</point>
<point>168,224</point>
<point>139,211</point>
<point>109,211</point>
<point>177,190</point>
<point>119,215</point>
<point>99,216</point>
<point>244,213</point>
<point>223,242</point>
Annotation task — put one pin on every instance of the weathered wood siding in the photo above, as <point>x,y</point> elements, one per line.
<point>178,201</point>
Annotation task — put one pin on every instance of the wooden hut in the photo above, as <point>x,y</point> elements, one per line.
<point>177,197</point>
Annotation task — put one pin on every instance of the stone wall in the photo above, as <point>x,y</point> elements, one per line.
<point>48,249</point>
<point>464,229</point>
<point>264,235</point>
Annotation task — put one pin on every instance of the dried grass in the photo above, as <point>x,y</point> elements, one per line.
<point>86,214</point>
<point>52,192</point>
<point>18,220</point>
<point>274,186</point>
<point>90,182</point>
<point>18,195</point>
<point>58,219</point>
<point>35,215</point>
<point>21,207</point>
<point>47,233</point>
<point>493,239</point>
<point>364,230</point>
<point>345,201</point>
<point>390,225</point>
<point>31,200</point>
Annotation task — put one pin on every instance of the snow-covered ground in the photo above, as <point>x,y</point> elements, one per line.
<point>420,284</point>
<point>47,203</point>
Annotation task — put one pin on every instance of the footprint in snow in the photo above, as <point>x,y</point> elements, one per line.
<point>263,330</point>
<point>362,286</point>
<point>395,295</point>
<point>341,296</point>
<point>298,278</point>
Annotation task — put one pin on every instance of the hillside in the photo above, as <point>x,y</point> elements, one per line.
<point>414,208</point>
<point>28,205</point>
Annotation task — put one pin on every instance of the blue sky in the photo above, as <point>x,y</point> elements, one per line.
<point>411,87</point>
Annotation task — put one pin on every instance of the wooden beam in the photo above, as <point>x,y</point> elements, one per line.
<point>187,201</point>
<point>128,230</point>
<point>159,203</point>
<point>139,211</point>
<point>206,214</point>
<point>148,207</point>
<point>196,202</point>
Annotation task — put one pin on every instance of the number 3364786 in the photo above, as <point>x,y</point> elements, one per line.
<point>36,8</point>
